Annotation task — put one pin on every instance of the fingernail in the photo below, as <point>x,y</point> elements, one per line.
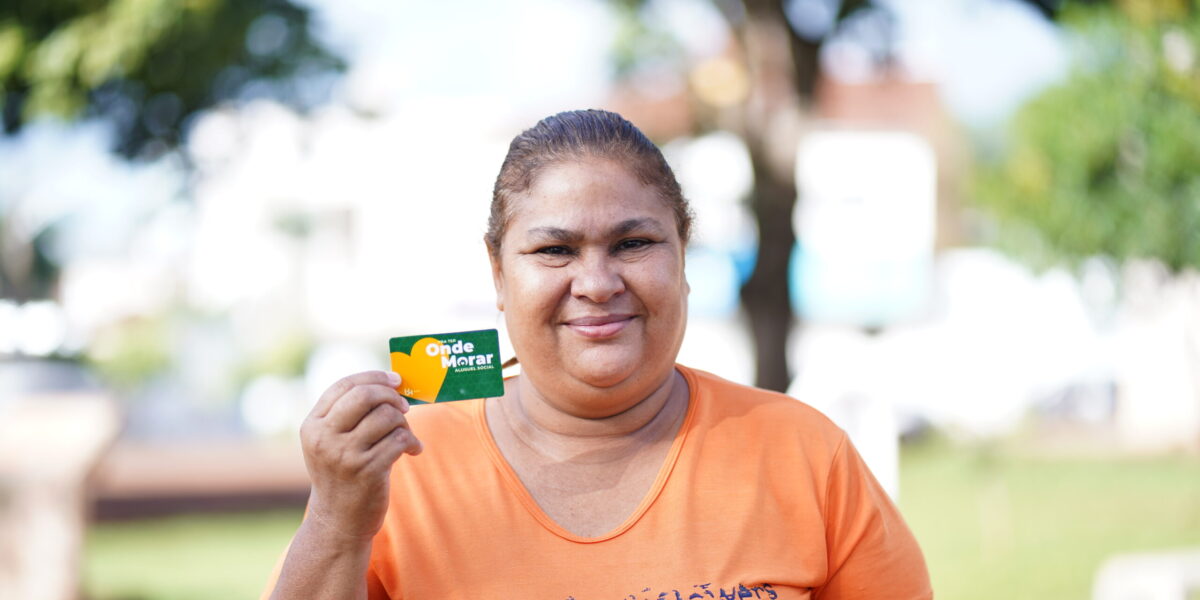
<point>393,378</point>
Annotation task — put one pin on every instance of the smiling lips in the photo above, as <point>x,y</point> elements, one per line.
<point>599,327</point>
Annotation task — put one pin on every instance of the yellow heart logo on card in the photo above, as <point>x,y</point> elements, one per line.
<point>421,371</point>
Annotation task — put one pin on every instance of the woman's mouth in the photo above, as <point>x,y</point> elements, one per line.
<point>601,326</point>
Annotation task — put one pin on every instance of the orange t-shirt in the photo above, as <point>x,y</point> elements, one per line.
<point>760,496</point>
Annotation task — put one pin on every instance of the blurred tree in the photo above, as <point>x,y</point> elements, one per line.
<point>779,42</point>
<point>144,66</point>
<point>1108,162</point>
<point>148,65</point>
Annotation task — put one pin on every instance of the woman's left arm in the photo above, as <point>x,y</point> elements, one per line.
<point>872,553</point>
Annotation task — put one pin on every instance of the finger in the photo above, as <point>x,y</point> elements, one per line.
<point>401,440</point>
<point>381,421</point>
<point>362,399</point>
<point>343,386</point>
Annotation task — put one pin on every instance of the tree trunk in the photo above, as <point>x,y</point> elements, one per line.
<point>783,71</point>
<point>765,294</point>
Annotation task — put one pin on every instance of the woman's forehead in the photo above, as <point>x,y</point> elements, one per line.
<point>586,174</point>
<point>589,194</point>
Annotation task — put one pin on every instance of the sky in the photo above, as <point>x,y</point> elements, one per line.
<point>540,55</point>
<point>987,56</point>
<point>547,55</point>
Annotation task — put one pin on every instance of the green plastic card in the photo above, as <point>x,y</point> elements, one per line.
<point>442,367</point>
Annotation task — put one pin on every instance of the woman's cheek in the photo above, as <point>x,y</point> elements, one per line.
<point>534,278</point>
<point>535,289</point>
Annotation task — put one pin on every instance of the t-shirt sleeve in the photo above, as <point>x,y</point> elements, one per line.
<point>375,589</point>
<point>872,553</point>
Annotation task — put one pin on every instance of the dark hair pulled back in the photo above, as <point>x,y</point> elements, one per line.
<point>576,135</point>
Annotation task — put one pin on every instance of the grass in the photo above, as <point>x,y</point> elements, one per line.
<point>995,524</point>
<point>198,557</point>
<point>992,523</point>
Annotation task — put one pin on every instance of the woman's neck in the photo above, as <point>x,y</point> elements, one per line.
<point>559,435</point>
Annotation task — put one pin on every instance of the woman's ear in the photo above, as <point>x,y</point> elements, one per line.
<point>687,286</point>
<point>497,280</point>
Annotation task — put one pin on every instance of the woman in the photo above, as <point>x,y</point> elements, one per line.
<point>605,471</point>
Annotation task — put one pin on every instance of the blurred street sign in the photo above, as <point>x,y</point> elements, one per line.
<point>866,222</point>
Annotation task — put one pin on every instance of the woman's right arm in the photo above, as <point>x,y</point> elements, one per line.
<point>350,440</point>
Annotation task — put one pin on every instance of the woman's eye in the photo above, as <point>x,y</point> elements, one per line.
<point>555,250</point>
<point>632,244</point>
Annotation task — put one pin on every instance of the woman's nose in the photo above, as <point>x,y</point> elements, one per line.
<point>597,280</point>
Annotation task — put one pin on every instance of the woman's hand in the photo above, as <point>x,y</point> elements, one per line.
<point>350,440</point>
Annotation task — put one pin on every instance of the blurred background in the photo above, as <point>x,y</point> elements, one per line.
<point>968,230</point>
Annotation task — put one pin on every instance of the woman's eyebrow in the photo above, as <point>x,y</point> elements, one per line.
<point>572,237</point>
<point>557,234</point>
<point>638,224</point>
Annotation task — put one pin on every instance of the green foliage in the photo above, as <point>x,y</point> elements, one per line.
<point>145,65</point>
<point>1107,163</point>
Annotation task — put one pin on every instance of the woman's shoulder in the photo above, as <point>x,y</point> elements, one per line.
<point>724,399</point>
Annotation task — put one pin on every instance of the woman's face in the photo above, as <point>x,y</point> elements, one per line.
<point>590,278</point>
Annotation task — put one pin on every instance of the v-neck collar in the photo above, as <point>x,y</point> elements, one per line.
<point>513,482</point>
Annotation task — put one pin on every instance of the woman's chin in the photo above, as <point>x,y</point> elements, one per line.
<point>603,377</point>
<point>601,371</point>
